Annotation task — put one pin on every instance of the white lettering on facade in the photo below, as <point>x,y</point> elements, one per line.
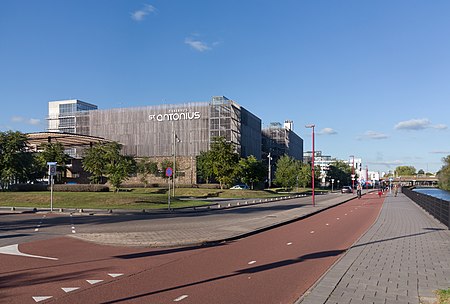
<point>175,115</point>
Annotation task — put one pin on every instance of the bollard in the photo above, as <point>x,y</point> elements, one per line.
<point>13,208</point>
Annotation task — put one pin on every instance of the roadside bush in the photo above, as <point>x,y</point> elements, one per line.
<point>80,188</point>
<point>208,186</point>
<point>28,187</point>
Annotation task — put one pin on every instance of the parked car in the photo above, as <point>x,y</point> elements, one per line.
<point>346,189</point>
<point>240,187</point>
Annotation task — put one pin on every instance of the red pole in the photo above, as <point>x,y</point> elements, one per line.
<point>353,172</point>
<point>367,177</point>
<point>312,164</point>
<point>312,167</point>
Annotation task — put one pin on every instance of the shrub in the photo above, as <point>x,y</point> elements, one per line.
<point>80,188</point>
<point>28,187</point>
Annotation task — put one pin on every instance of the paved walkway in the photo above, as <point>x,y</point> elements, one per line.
<point>403,258</point>
<point>257,216</point>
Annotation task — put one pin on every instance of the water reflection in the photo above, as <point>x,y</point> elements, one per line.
<point>442,194</point>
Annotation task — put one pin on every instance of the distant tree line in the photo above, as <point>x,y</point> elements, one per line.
<point>220,164</point>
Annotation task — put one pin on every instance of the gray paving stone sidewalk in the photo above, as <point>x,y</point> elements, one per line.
<point>403,258</point>
<point>176,232</point>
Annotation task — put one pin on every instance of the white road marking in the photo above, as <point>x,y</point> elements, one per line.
<point>345,214</point>
<point>337,218</point>
<point>73,231</point>
<point>115,275</point>
<point>41,298</point>
<point>312,231</point>
<point>180,298</point>
<point>69,289</point>
<point>92,282</point>
<point>289,244</point>
<point>40,223</point>
<point>14,250</point>
<point>251,262</point>
<point>327,224</point>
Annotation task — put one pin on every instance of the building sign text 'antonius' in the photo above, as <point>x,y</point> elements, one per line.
<point>174,115</point>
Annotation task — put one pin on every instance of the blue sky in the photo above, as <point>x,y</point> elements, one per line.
<point>373,76</point>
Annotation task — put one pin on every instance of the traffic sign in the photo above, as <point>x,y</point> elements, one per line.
<point>169,172</point>
<point>51,168</point>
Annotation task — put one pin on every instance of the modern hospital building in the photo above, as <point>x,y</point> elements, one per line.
<point>162,131</point>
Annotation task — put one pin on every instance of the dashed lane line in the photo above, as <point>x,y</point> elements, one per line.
<point>71,223</point>
<point>180,298</point>
<point>40,223</point>
<point>92,282</point>
<point>251,262</point>
<point>69,289</point>
<point>41,298</point>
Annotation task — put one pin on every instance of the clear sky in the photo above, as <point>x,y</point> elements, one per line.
<point>373,76</point>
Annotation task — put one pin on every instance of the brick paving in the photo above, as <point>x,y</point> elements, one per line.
<point>403,258</point>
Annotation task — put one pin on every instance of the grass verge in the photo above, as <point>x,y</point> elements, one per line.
<point>138,198</point>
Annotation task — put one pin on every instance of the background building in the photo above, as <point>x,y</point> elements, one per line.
<point>281,140</point>
<point>185,129</point>
<point>163,131</point>
<point>69,116</point>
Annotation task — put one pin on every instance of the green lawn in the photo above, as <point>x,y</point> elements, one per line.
<point>142,198</point>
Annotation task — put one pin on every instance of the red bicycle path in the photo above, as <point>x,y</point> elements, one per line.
<point>276,266</point>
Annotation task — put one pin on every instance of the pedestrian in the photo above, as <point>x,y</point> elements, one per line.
<point>395,190</point>
<point>358,190</point>
<point>380,192</point>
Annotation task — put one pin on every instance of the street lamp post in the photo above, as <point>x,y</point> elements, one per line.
<point>353,171</point>
<point>175,141</point>
<point>332,184</point>
<point>270,170</point>
<point>312,163</point>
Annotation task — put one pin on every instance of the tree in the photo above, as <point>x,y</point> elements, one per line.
<point>340,171</point>
<point>251,171</point>
<point>405,171</point>
<point>105,160</point>
<point>146,167</point>
<point>224,161</point>
<point>15,161</point>
<point>119,169</point>
<point>444,174</point>
<point>288,171</point>
<point>94,162</point>
<point>205,166</point>
<point>304,175</point>
<point>52,152</point>
<point>421,172</point>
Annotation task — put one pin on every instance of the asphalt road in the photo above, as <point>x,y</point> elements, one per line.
<point>276,266</point>
<point>26,227</point>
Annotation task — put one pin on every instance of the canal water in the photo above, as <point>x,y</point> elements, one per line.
<point>442,194</point>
